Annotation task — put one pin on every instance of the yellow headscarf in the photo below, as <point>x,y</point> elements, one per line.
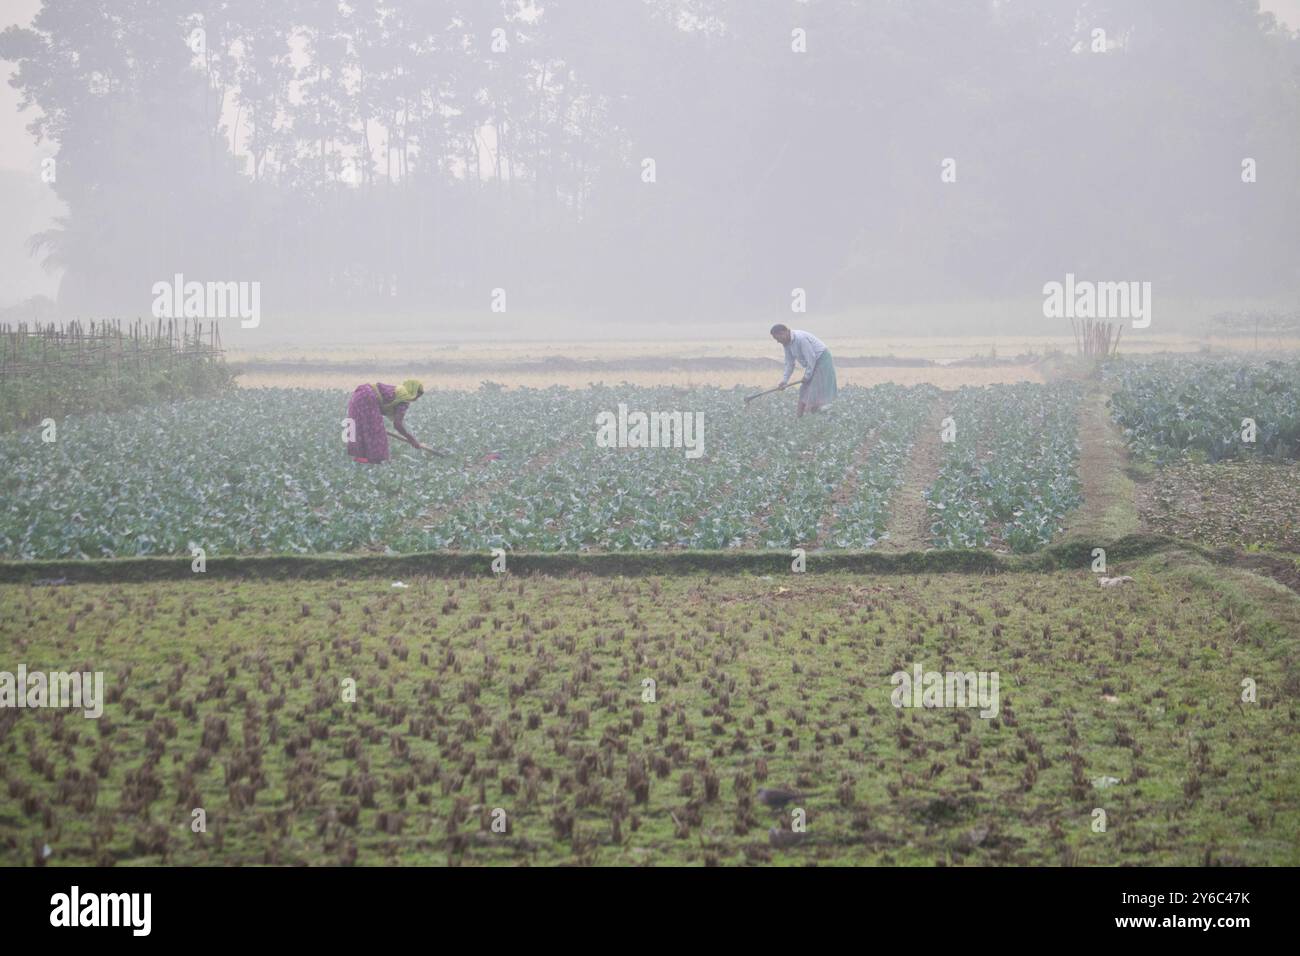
<point>408,391</point>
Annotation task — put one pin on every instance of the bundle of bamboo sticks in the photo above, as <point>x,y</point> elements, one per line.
<point>1095,339</point>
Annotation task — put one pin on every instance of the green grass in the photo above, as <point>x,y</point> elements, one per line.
<point>1074,553</point>
<point>56,391</point>
<point>525,693</point>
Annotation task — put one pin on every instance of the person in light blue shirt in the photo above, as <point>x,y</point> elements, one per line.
<point>818,388</point>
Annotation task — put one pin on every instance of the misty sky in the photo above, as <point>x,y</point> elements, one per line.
<point>30,204</point>
<point>18,152</point>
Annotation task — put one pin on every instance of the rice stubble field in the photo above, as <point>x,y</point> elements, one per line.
<point>525,701</point>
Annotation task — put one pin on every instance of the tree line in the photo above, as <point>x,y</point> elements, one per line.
<point>634,156</point>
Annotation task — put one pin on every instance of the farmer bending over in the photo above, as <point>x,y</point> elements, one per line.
<point>818,388</point>
<point>369,406</point>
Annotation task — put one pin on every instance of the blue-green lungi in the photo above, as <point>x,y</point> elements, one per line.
<point>820,388</point>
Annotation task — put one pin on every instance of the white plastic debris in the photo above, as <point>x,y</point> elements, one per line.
<point>399,584</point>
<point>1101,783</point>
<point>46,852</point>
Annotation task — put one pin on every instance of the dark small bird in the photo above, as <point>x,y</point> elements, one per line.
<point>776,798</point>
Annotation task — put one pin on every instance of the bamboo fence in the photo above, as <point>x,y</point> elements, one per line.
<point>105,351</point>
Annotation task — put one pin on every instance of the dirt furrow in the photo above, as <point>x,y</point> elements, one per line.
<point>1109,510</point>
<point>909,524</point>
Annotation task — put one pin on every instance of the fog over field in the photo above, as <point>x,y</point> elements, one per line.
<point>396,171</point>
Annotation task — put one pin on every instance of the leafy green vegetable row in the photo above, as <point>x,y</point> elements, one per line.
<point>259,471</point>
<point>1010,472</point>
<point>861,521</point>
<point>1195,409</point>
<point>765,479</point>
<point>251,471</point>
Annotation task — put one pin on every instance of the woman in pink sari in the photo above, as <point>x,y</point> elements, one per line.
<point>369,405</point>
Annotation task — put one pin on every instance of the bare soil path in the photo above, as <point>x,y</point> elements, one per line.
<point>1109,509</point>
<point>909,524</point>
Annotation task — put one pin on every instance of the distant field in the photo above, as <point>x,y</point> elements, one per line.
<point>758,345</point>
<point>446,377</point>
<point>522,700</point>
<point>684,363</point>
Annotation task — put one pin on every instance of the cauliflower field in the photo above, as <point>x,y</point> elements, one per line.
<point>264,471</point>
